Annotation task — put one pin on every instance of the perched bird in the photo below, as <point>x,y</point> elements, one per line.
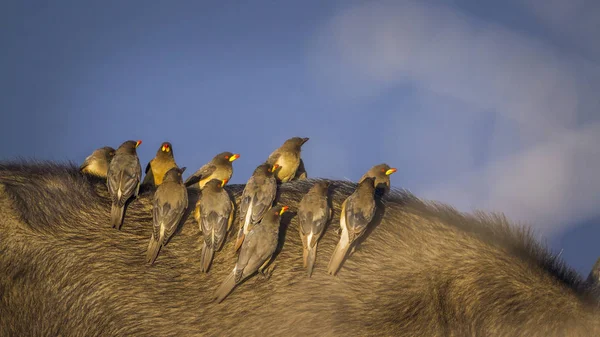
<point>168,206</point>
<point>301,171</point>
<point>97,162</point>
<point>257,197</point>
<point>214,215</point>
<point>287,157</point>
<point>220,167</point>
<point>256,252</point>
<point>313,214</point>
<point>357,212</point>
<point>381,173</point>
<point>159,165</point>
<point>123,179</point>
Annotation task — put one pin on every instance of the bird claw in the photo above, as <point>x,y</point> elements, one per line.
<point>265,274</point>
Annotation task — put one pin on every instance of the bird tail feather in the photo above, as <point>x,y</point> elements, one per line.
<point>225,288</point>
<point>153,250</point>
<point>305,256</point>
<point>337,257</point>
<point>116,216</point>
<point>206,257</point>
<point>310,259</point>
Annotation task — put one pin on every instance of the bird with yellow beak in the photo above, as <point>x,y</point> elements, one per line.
<point>220,167</point>
<point>256,251</point>
<point>159,165</point>
<point>381,173</point>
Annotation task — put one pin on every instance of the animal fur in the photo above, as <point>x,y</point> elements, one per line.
<point>421,269</point>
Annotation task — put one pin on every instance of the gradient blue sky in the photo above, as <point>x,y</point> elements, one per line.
<point>479,105</point>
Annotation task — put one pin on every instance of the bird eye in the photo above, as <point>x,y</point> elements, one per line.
<point>226,157</point>
<point>382,170</point>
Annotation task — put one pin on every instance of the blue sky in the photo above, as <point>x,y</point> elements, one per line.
<point>482,106</point>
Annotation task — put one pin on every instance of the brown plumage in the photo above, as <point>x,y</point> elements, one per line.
<point>159,165</point>
<point>313,214</point>
<point>220,167</point>
<point>357,212</point>
<point>97,163</point>
<point>257,197</point>
<point>168,206</point>
<point>123,179</point>
<point>287,157</point>
<point>214,213</point>
<point>256,252</point>
<point>381,173</point>
<point>301,171</point>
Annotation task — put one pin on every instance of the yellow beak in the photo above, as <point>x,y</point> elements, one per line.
<point>234,157</point>
<point>283,210</point>
<point>390,171</point>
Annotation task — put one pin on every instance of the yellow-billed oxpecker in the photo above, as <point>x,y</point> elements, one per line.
<point>220,167</point>
<point>313,214</point>
<point>123,179</point>
<point>357,212</point>
<point>287,157</point>
<point>97,163</point>
<point>256,252</point>
<point>214,215</point>
<point>257,197</point>
<point>168,206</point>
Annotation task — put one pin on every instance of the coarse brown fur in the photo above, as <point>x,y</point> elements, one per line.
<point>422,269</point>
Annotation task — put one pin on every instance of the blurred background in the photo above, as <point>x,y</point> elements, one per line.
<point>491,106</point>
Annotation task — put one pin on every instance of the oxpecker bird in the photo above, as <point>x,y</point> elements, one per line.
<point>168,206</point>
<point>256,252</point>
<point>313,214</point>
<point>220,167</point>
<point>257,197</point>
<point>357,212</point>
<point>123,179</point>
<point>163,161</point>
<point>97,163</point>
<point>215,215</point>
<point>287,157</point>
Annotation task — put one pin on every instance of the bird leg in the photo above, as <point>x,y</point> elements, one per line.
<point>265,273</point>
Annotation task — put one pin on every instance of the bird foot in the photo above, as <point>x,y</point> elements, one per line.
<point>265,274</point>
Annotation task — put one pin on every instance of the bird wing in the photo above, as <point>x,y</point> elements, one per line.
<point>358,215</point>
<point>214,221</point>
<point>319,220</point>
<point>122,176</point>
<point>170,208</point>
<point>204,171</point>
<point>256,249</point>
<point>263,199</point>
<point>128,183</point>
